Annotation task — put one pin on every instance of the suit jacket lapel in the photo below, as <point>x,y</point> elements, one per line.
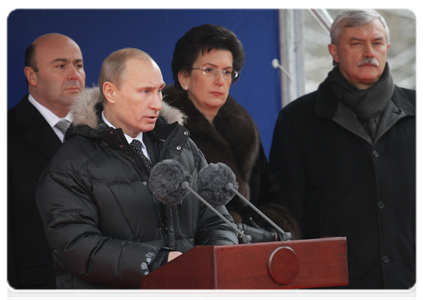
<point>36,129</point>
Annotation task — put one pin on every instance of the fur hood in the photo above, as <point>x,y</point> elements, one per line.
<point>232,139</point>
<point>85,113</point>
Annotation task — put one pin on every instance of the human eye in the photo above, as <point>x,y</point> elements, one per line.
<point>227,72</point>
<point>208,70</point>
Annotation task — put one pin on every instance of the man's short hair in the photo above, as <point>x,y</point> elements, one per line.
<point>30,60</point>
<point>114,66</point>
<point>353,18</point>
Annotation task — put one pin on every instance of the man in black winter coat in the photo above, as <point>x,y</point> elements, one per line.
<point>55,75</point>
<point>104,226</point>
<point>345,157</point>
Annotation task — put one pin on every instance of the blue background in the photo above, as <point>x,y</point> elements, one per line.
<point>101,32</point>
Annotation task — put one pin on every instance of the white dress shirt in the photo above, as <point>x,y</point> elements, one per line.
<point>50,117</point>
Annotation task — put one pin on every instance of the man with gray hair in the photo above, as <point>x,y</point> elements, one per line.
<point>345,156</point>
<point>104,226</point>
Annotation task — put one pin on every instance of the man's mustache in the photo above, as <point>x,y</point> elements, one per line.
<point>368,60</point>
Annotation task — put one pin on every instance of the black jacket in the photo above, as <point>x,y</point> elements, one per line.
<point>339,183</point>
<point>31,143</point>
<point>234,140</point>
<point>104,226</point>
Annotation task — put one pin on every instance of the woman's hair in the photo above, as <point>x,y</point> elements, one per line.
<point>205,38</point>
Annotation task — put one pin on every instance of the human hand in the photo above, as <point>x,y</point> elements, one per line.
<point>173,255</point>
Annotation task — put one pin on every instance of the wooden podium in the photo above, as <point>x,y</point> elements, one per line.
<point>277,265</point>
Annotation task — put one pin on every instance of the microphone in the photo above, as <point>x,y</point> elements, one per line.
<point>217,183</point>
<point>165,181</point>
<point>165,184</point>
<point>170,183</point>
<point>211,183</point>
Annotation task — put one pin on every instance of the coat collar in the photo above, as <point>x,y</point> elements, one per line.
<point>328,106</point>
<point>37,131</point>
<point>87,108</point>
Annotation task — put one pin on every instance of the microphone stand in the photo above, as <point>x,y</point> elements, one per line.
<point>286,236</point>
<point>245,238</point>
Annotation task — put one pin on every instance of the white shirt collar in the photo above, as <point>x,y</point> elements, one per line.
<point>49,116</point>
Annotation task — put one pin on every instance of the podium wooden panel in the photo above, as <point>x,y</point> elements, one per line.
<point>277,265</point>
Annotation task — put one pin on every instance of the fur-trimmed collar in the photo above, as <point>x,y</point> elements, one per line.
<point>232,139</point>
<point>84,110</point>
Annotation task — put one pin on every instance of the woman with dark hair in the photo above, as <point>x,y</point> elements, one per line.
<point>206,61</point>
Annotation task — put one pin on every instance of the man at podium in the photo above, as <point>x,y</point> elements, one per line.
<point>104,226</point>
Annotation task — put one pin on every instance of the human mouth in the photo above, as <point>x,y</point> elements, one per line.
<point>73,89</point>
<point>217,94</point>
<point>151,119</point>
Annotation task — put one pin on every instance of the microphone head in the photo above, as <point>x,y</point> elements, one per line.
<point>212,181</point>
<point>165,181</point>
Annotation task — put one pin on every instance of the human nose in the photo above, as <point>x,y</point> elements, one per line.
<point>73,73</point>
<point>368,51</point>
<point>219,78</point>
<point>156,103</point>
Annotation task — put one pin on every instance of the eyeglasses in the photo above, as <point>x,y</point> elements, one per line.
<point>210,71</point>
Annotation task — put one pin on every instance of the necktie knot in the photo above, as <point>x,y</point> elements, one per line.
<point>137,146</point>
<point>63,125</point>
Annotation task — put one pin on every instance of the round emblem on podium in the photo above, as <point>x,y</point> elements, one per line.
<point>283,265</point>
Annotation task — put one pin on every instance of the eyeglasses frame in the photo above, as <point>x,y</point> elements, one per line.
<point>234,73</point>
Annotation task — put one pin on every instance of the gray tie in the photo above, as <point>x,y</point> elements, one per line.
<point>63,125</point>
<point>137,146</point>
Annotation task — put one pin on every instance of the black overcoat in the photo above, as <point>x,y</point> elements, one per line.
<point>338,183</point>
<point>31,143</point>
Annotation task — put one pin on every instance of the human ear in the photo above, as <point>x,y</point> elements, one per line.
<point>31,76</point>
<point>333,50</point>
<point>109,91</point>
<point>184,79</point>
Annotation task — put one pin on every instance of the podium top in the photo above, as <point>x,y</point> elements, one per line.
<point>275,265</point>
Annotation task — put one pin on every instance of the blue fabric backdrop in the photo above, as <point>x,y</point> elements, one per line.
<point>100,32</point>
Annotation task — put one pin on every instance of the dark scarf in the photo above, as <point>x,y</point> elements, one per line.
<point>367,104</point>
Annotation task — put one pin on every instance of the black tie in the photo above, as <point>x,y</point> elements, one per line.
<point>137,146</point>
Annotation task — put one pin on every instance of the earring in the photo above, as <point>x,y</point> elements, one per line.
<point>185,87</point>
